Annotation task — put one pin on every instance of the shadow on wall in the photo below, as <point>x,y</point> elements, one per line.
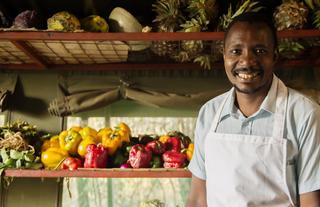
<point>28,105</point>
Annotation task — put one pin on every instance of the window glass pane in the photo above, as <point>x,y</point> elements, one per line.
<point>124,192</point>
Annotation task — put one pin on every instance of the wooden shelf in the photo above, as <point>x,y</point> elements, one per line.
<point>46,50</point>
<point>106,173</point>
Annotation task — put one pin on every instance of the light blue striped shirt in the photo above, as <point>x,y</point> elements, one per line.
<point>302,129</point>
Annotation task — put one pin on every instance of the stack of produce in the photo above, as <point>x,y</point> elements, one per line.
<point>85,147</point>
<point>65,21</point>
<point>173,150</point>
<point>115,147</point>
<point>16,149</point>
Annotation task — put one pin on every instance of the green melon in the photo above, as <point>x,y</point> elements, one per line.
<point>63,21</point>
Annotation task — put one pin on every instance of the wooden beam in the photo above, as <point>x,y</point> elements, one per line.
<point>29,51</point>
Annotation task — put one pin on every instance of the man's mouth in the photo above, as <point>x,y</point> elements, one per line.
<point>247,75</point>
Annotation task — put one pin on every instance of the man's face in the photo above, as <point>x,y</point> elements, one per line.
<point>249,57</point>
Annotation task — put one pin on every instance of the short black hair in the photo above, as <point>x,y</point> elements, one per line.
<point>254,17</point>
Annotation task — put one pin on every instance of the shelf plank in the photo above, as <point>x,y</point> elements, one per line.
<point>123,36</point>
<point>106,173</point>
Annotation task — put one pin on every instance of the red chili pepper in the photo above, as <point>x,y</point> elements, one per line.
<point>71,163</point>
<point>173,144</point>
<point>139,156</point>
<point>173,159</point>
<point>156,147</point>
<point>96,156</point>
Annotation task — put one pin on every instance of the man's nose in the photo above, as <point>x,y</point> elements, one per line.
<point>247,59</point>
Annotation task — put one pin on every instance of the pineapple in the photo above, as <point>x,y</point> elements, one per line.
<point>168,19</point>
<point>207,10</point>
<point>290,15</point>
<point>226,19</point>
<point>201,12</point>
<point>193,47</point>
<point>244,6</point>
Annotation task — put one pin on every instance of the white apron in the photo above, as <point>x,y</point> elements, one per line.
<point>247,170</point>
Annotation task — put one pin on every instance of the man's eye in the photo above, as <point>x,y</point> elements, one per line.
<point>235,51</point>
<point>260,51</point>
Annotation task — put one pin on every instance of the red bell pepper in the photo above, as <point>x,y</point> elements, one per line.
<point>173,144</point>
<point>96,156</point>
<point>139,156</point>
<point>157,147</point>
<point>71,163</point>
<point>173,159</point>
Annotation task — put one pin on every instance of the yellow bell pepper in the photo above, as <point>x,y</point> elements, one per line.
<point>112,141</point>
<point>52,157</point>
<point>82,147</point>
<point>164,138</point>
<point>69,140</point>
<point>88,131</point>
<point>190,151</point>
<point>104,132</point>
<point>52,142</point>
<point>122,133</point>
<point>76,128</point>
<point>125,127</point>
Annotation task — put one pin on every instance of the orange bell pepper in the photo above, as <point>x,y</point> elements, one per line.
<point>190,151</point>
<point>52,142</point>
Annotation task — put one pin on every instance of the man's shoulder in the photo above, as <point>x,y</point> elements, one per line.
<point>301,103</point>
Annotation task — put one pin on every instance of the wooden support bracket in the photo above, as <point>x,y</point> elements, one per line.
<point>29,51</point>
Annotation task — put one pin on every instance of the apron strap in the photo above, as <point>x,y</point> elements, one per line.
<point>281,106</point>
<point>216,119</point>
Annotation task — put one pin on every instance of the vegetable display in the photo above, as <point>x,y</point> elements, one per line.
<point>85,147</point>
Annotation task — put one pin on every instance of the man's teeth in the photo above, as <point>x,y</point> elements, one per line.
<point>247,76</point>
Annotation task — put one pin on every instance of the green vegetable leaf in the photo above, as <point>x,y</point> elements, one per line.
<point>14,154</point>
<point>4,155</point>
<point>18,163</point>
<point>29,157</point>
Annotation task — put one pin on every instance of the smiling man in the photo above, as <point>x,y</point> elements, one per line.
<point>258,144</point>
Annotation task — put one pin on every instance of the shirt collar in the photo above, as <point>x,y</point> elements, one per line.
<point>267,105</point>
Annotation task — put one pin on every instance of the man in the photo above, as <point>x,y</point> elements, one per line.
<point>258,144</point>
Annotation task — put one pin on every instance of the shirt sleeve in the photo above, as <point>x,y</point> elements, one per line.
<point>197,163</point>
<point>308,160</point>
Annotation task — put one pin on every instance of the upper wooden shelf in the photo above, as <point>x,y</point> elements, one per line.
<point>44,50</point>
<point>106,173</point>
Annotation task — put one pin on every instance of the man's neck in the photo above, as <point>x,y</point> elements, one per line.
<point>249,103</point>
